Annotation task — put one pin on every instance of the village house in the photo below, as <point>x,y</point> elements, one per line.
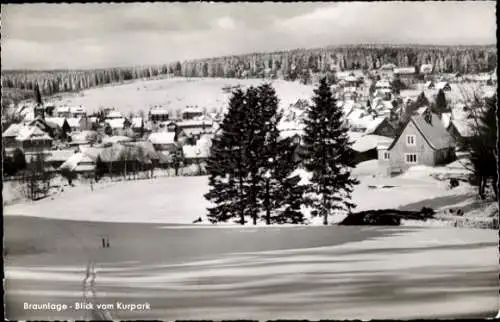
<point>382,127</point>
<point>404,72</point>
<point>84,138</point>
<point>423,141</point>
<point>164,141</point>
<point>137,125</point>
<point>117,124</point>
<point>426,69</point>
<point>80,164</point>
<point>193,154</point>
<point>195,128</point>
<point>460,129</point>
<point>62,111</point>
<point>383,84</point>
<point>9,142</point>
<point>365,146</point>
<point>75,124</point>
<point>115,139</point>
<point>61,127</point>
<point>77,111</point>
<point>32,139</point>
<point>191,112</point>
<point>57,157</point>
<point>158,115</point>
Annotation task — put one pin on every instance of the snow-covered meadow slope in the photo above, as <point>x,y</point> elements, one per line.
<point>275,272</point>
<point>180,199</point>
<point>177,93</point>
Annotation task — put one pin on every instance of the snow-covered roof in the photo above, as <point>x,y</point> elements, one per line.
<point>116,123</point>
<point>464,127</point>
<point>387,67</point>
<point>13,130</point>
<point>158,111</point>
<point>289,125</point>
<point>78,109</point>
<point>60,155</point>
<point>194,152</point>
<point>73,122</point>
<point>445,119</point>
<point>382,84</point>
<point>373,125</point>
<point>404,70</point>
<point>79,162</point>
<point>84,137</point>
<point>162,138</point>
<point>114,115</point>
<point>192,109</point>
<point>116,139</point>
<point>32,133</point>
<point>426,68</point>
<point>195,123</point>
<point>62,109</point>
<point>370,141</point>
<point>59,121</point>
<point>347,106</point>
<point>285,134</point>
<point>137,122</point>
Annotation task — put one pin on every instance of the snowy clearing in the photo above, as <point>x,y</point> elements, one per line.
<point>177,93</point>
<point>180,199</point>
<point>288,273</point>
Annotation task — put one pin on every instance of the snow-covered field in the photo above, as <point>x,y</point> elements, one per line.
<point>180,199</point>
<point>290,273</point>
<point>177,93</point>
<point>193,272</point>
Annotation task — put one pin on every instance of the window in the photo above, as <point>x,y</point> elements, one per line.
<point>411,158</point>
<point>387,155</point>
<point>410,140</point>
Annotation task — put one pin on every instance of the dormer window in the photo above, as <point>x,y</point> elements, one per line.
<point>428,117</point>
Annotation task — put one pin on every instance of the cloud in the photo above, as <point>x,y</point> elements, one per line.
<point>101,35</point>
<point>226,23</point>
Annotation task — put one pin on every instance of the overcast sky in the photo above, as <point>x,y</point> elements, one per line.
<point>56,36</point>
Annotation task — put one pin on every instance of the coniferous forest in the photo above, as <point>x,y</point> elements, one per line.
<point>288,65</point>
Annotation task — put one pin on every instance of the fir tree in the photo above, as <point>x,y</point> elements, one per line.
<point>440,105</point>
<point>483,145</point>
<point>227,167</point>
<point>328,155</point>
<point>285,194</point>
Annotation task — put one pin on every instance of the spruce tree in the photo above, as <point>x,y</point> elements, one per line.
<point>227,167</point>
<point>285,194</point>
<point>440,105</point>
<point>328,155</point>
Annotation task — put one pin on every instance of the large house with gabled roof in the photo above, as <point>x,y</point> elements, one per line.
<point>423,141</point>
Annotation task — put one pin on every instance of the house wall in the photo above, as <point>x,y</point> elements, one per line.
<point>36,145</point>
<point>383,164</point>
<point>9,141</point>
<point>425,154</point>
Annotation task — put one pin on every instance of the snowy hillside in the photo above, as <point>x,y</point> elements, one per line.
<point>177,93</point>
